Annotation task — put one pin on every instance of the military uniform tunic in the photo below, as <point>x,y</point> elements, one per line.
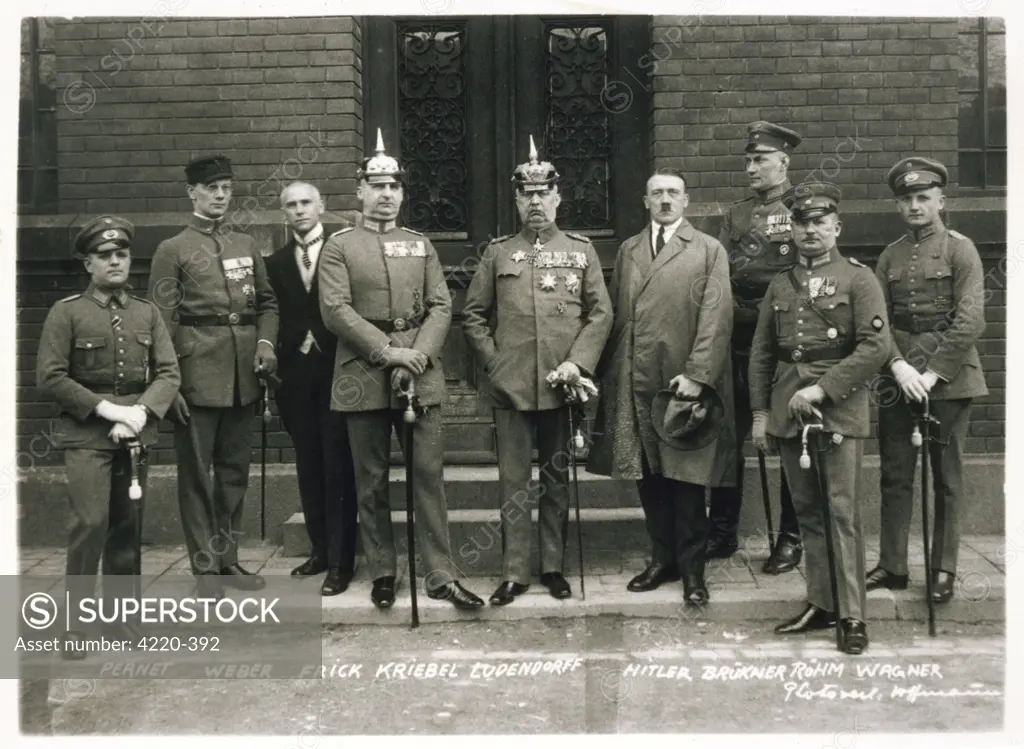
<point>757,235</point>
<point>100,346</point>
<point>823,322</point>
<point>382,285</point>
<point>545,293</point>
<point>211,285</point>
<point>934,290</point>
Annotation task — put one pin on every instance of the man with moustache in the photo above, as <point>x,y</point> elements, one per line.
<point>384,295</point>
<point>934,292</point>
<point>756,233</point>
<point>106,357</point>
<point>211,285</point>
<point>665,416</point>
<point>820,338</point>
<point>305,350</point>
<point>546,291</point>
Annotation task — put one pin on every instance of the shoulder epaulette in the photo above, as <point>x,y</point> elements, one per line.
<point>70,298</point>
<point>894,243</point>
<point>140,298</point>
<point>858,263</point>
<point>956,235</point>
<point>342,231</point>
<point>413,231</point>
<point>579,237</point>
<point>501,239</point>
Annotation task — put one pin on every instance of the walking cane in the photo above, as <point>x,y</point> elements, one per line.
<point>263,461</point>
<point>823,488</point>
<point>409,417</point>
<point>925,419</point>
<point>577,444</point>
<point>766,498</point>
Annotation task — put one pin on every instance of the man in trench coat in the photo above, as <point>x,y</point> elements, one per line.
<point>673,323</point>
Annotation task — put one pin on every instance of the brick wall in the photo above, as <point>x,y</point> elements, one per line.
<point>862,91</point>
<point>281,96</point>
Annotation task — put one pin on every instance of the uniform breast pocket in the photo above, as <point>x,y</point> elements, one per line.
<point>839,310</point>
<point>89,353</point>
<point>143,345</point>
<point>782,322</point>
<point>939,279</point>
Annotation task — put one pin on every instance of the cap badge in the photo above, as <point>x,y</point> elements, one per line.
<point>110,234</point>
<point>911,177</point>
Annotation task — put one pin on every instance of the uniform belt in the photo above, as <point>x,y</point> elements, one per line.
<point>118,388</point>
<point>921,323</point>
<point>235,318</point>
<point>398,324</point>
<point>805,356</point>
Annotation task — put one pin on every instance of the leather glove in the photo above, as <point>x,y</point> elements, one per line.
<point>413,360</point>
<point>759,433</point>
<point>178,412</point>
<point>685,387</point>
<point>120,432</point>
<point>910,380</point>
<point>400,379</point>
<point>802,404</point>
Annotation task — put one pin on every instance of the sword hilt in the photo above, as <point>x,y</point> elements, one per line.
<point>134,450</point>
<point>805,459</point>
<point>410,396</point>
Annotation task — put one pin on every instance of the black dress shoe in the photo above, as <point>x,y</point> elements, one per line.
<point>720,547</point>
<point>238,577</point>
<point>383,593</point>
<point>854,636</point>
<point>942,586</point>
<point>336,581</point>
<point>694,590</point>
<point>810,620</point>
<point>312,566</point>
<point>209,586</point>
<point>557,585</point>
<point>507,592</point>
<point>69,653</point>
<point>455,594</point>
<point>881,578</point>
<point>653,577</point>
<point>786,556</point>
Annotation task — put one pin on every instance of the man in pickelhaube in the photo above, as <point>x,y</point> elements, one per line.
<point>756,233</point>
<point>821,336</point>
<point>546,290</point>
<point>106,356</point>
<point>384,295</point>
<point>211,285</point>
<point>934,291</point>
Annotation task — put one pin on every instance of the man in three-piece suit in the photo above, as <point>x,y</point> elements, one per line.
<point>305,349</point>
<point>210,283</point>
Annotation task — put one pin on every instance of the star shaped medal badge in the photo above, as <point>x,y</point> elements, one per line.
<point>547,282</point>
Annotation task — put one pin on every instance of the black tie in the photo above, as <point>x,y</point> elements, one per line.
<point>305,257</point>
<point>661,241</point>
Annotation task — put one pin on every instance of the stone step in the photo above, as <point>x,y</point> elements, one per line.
<point>43,502</point>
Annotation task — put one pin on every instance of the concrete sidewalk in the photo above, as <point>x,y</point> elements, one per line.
<point>739,590</point>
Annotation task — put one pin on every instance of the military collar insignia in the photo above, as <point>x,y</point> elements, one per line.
<point>919,235</point>
<point>378,227</point>
<point>774,193</point>
<point>545,235</point>
<point>102,298</point>
<point>205,224</point>
<point>816,262</point>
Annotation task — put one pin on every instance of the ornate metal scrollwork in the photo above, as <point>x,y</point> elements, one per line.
<point>432,111</point>
<point>578,134</point>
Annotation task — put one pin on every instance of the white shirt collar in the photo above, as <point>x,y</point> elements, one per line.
<point>670,229</point>
<point>318,229</point>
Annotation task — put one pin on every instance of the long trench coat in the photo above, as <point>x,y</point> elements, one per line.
<point>673,315</point>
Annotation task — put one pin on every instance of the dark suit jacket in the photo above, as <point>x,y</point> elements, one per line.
<point>298,311</point>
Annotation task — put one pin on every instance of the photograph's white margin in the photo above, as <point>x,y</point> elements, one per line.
<point>1013,734</point>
